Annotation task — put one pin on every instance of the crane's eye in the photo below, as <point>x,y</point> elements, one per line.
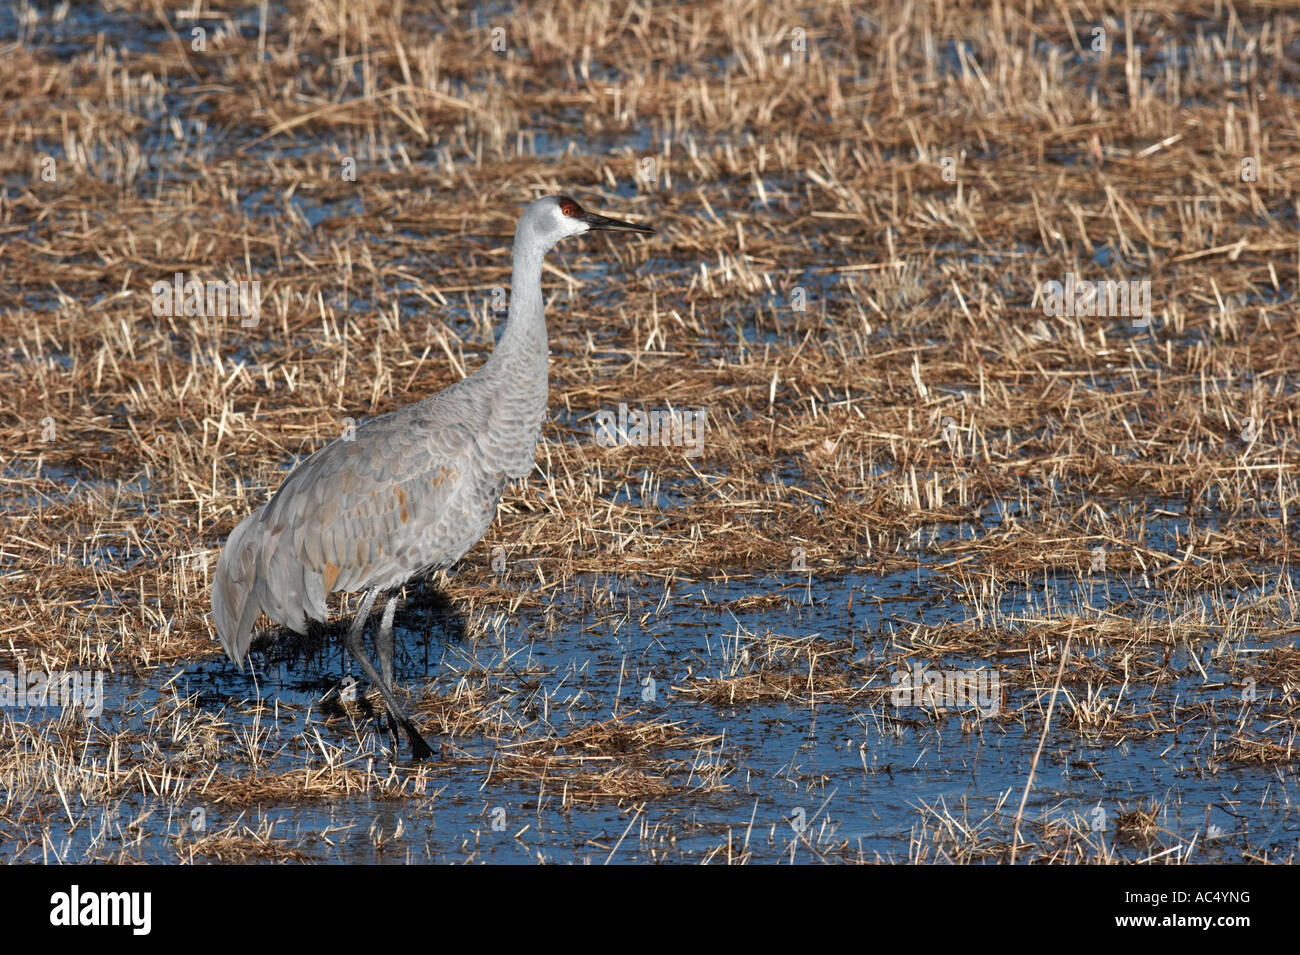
<point>569,208</point>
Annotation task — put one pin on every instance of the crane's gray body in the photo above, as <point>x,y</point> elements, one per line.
<point>410,491</point>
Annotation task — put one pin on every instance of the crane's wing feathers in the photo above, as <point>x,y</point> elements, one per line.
<point>234,586</point>
<point>364,510</point>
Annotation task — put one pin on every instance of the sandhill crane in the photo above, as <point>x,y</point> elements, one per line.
<point>408,492</point>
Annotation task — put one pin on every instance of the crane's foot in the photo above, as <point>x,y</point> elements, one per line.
<point>419,748</point>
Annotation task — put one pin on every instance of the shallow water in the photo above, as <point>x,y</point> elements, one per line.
<point>855,779</point>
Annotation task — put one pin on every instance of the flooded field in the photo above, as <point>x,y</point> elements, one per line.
<point>954,564</point>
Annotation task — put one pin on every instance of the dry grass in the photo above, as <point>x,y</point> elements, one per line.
<point>922,412</point>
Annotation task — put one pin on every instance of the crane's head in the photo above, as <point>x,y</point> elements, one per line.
<point>550,219</point>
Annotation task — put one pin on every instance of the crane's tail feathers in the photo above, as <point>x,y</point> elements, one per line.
<point>234,593</point>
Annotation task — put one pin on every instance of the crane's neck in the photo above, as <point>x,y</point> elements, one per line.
<point>523,344</point>
<point>516,371</point>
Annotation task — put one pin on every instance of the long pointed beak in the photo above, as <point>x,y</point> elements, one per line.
<point>602,223</point>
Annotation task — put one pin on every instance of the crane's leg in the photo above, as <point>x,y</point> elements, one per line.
<point>356,646</point>
<point>384,647</point>
<point>384,641</point>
